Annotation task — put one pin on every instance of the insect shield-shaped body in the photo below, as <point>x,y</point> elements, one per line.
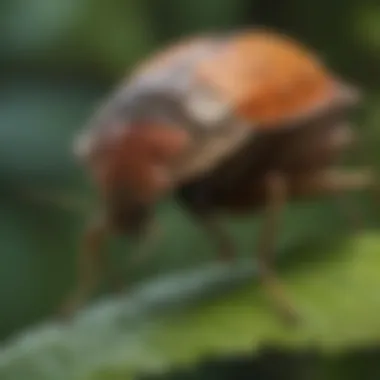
<point>201,117</point>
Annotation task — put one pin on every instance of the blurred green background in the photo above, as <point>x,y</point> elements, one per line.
<point>60,57</point>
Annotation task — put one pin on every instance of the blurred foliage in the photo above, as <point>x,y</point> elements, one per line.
<point>271,363</point>
<point>59,58</point>
<point>216,310</point>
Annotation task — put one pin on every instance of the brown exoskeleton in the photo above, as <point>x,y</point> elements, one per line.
<point>231,122</point>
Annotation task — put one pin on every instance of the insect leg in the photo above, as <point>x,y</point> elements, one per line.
<point>145,242</point>
<point>277,194</point>
<point>214,229</point>
<point>89,266</point>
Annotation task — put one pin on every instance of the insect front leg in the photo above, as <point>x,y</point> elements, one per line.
<point>89,266</point>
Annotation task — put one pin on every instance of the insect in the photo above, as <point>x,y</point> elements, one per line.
<point>226,121</point>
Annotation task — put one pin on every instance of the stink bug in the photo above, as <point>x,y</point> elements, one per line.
<point>222,121</point>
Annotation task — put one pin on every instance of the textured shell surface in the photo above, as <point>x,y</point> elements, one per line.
<point>162,91</point>
<point>221,89</point>
<point>270,78</point>
<point>154,91</point>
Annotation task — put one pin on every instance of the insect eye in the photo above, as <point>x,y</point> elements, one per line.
<point>206,107</point>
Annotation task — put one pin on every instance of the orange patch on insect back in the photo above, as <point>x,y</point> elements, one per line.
<point>268,78</point>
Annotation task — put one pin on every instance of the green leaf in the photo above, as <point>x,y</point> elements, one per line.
<point>219,309</point>
<point>367,26</point>
<point>112,38</point>
<point>38,118</point>
<point>34,27</point>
